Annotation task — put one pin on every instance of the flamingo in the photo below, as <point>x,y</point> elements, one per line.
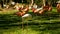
<point>58,7</point>
<point>36,10</point>
<point>22,11</point>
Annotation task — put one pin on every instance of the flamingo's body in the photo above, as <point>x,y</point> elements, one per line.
<point>47,8</point>
<point>22,11</point>
<point>37,10</point>
<point>26,15</point>
<point>58,8</point>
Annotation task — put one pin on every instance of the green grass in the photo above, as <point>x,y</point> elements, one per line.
<point>43,24</point>
<point>32,29</point>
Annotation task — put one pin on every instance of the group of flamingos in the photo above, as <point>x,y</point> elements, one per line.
<point>22,10</point>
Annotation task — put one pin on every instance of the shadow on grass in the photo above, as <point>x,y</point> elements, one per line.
<point>7,19</point>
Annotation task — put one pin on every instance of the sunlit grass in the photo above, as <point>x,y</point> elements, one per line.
<point>8,12</point>
<point>20,31</point>
<point>31,30</point>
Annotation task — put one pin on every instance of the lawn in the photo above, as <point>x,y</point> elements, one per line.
<point>49,23</point>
